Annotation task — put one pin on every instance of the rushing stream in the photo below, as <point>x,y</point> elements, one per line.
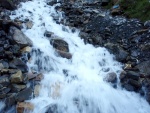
<point>73,85</point>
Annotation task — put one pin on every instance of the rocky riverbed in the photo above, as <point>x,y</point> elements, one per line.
<point>127,39</point>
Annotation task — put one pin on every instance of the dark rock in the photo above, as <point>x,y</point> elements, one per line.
<point>119,52</point>
<point>18,64</point>
<point>7,4</point>
<point>10,100</point>
<point>4,80</point>
<point>17,87</point>
<point>135,83</point>
<point>133,75</point>
<point>52,109</point>
<point>59,44</point>
<point>147,24</point>
<point>129,87</point>
<point>25,94</point>
<point>48,34</point>
<point>144,67</point>
<point>3,92</point>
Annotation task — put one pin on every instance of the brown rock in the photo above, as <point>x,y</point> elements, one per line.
<point>26,49</point>
<point>17,77</point>
<point>24,106</point>
<point>64,54</point>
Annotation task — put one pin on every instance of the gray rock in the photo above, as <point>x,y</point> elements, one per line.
<point>18,64</point>
<point>17,77</point>
<point>144,67</point>
<point>4,81</point>
<point>118,51</point>
<point>17,87</point>
<point>25,94</point>
<point>20,38</point>
<point>111,77</point>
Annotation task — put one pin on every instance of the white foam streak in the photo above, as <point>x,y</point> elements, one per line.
<point>81,88</point>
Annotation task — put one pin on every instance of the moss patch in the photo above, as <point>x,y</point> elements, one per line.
<point>136,8</point>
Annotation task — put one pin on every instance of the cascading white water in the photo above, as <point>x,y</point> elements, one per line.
<point>75,85</point>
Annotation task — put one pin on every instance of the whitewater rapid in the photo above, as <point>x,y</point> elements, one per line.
<point>73,85</point>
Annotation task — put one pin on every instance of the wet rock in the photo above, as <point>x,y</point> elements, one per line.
<point>18,64</point>
<point>37,90</point>
<point>29,24</point>
<point>19,37</point>
<point>39,77</point>
<point>148,97</point>
<point>48,34</point>
<point>59,44</point>
<point>26,49</point>
<point>147,24</point>
<point>144,68</point>
<point>119,52</point>
<point>129,87</point>
<point>122,75</point>
<point>52,109</point>
<point>64,54</point>
<point>31,75</point>
<point>25,94</point>
<point>111,77</point>
<point>24,106</point>
<point>17,77</point>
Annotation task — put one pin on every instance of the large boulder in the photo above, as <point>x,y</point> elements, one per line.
<point>19,37</point>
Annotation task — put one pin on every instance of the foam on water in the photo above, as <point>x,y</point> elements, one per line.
<point>75,85</point>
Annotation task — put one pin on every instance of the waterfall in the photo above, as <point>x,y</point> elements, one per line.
<point>74,85</point>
